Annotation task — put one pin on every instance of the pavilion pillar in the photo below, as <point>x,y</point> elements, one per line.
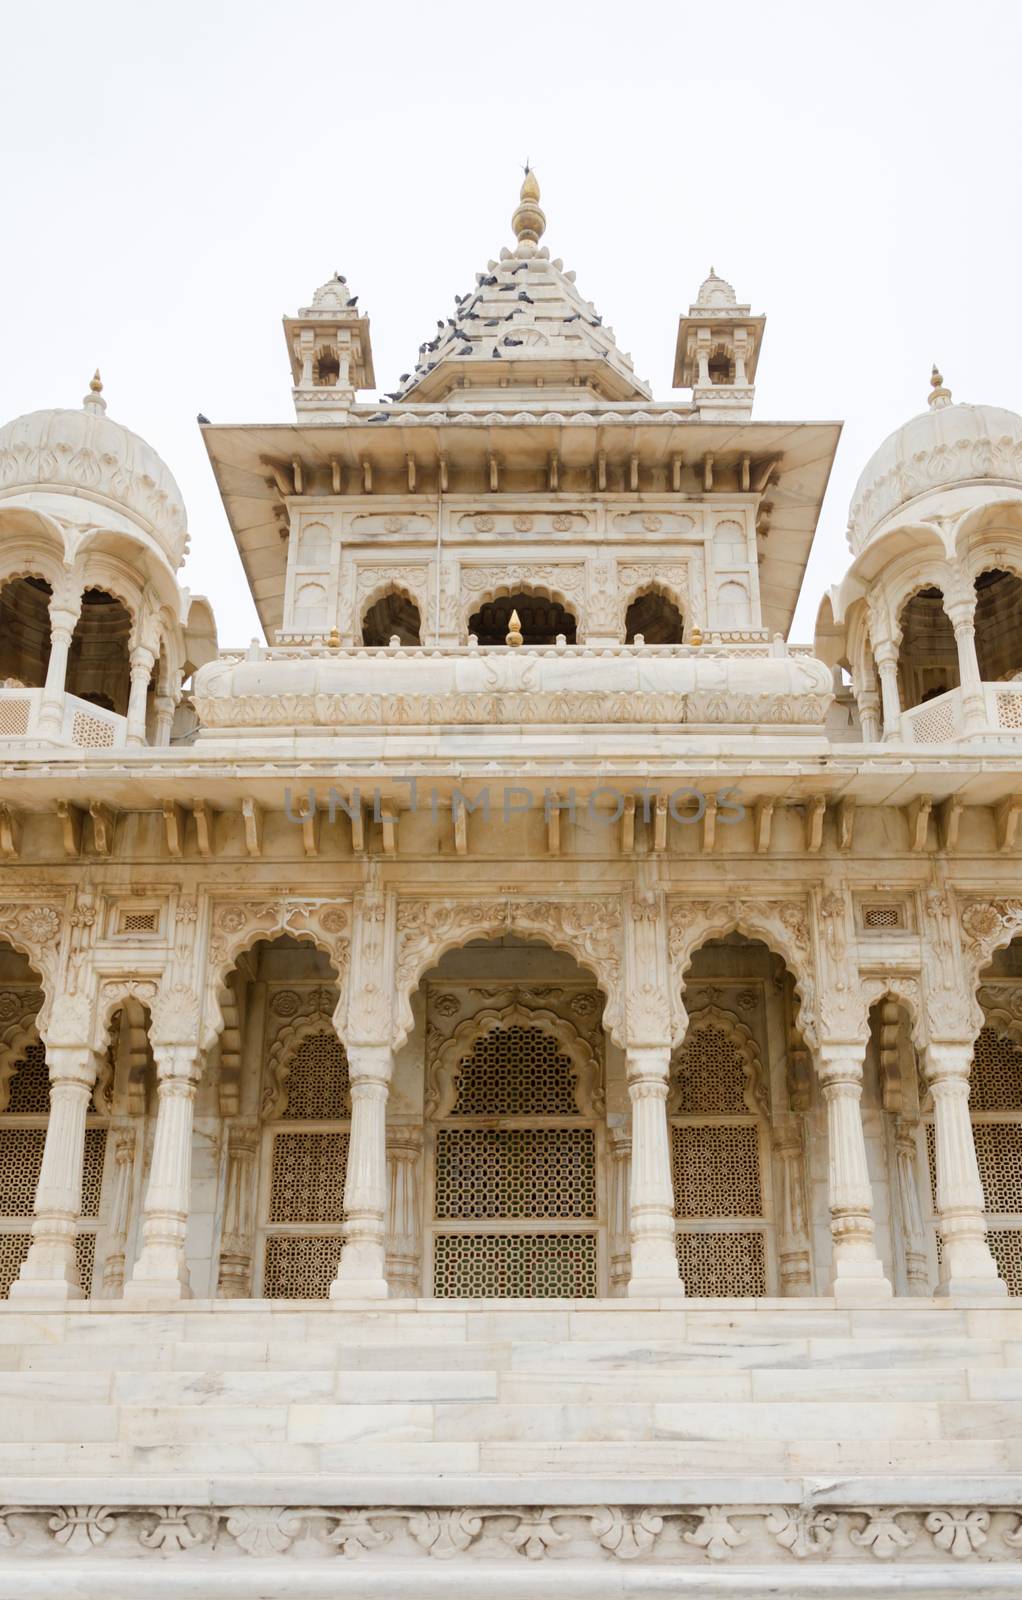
<point>967,1265</point>
<point>858,1272</point>
<point>362,1272</point>
<point>654,1253</point>
<point>161,1271</point>
<point>63,618</point>
<point>50,1270</point>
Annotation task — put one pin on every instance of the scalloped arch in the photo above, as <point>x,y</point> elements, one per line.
<point>783,926</point>
<point>444,1071</point>
<point>280,1061</point>
<point>712,1017</point>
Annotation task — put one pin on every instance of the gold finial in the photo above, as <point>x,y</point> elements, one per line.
<point>939,397</point>
<point>696,635</point>
<point>94,399</point>
<point>514,631</point>
<point>334,641</point>
<point>528,222</point>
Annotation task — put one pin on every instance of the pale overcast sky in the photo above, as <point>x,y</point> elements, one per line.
<point>178,176</point>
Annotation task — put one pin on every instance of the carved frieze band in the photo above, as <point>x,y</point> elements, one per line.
<point>656,1533</point>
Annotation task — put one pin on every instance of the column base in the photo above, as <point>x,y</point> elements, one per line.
<point>655,1289</point>
<point>860,1282</point>
<point>151,1292</point>
<point>49,1291</point>
<point>971,1288</point>
<point>359,1289</point>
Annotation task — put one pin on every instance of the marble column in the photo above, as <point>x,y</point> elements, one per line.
<point>868,702</point>
<point>619,1143</point>
<point>362,1272</point>
<point>404,1265</point>
<point>654,1256</point>
<point>236,1241</point>
<point>794,1245</point>
<point>50,1271</point>
<point>142,662</point>
<point>161,1271</point>
<point>968,1266</point>
<point>122,1148</point>
<point>858,1272</point>
<point>51,710</point>
<point>962,616</point>
<point>886,657</point>
<point>906,1155</point>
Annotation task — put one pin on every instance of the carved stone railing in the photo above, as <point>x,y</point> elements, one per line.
<point>83,725</point>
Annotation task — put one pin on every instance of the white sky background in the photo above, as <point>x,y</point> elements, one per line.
<point>178,176</point>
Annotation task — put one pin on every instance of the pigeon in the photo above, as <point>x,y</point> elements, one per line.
<point>506,288</point>
<point>596,322</point>
<point>339,279</point>
<point>459,299</point>
<point>520,267</point>
<point>381,416</point>
<point>495,353</point>
<point>523,294</point>
<point>406,375</point>
<point>491,322</point>
<point>508,340</point>
<point>575,317</point>
<point>490,279</point>
<point>467,351</point>
<point>202,421</point>
<point>395,396</point>
<point>353,302</point>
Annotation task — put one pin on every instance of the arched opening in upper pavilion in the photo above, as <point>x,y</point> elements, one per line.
<point>542,619</point>
<point>655,618</point>
<point>394,615</point>
<point>24,632</point>
<point>98,668</point>
<point>928,653</point>
<point>998,624</point>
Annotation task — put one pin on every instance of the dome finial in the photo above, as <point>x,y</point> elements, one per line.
<point>528,222</point>
<point>939,397</point>
<point>94,399</point>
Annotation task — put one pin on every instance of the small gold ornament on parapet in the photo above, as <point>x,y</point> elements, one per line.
<point>514,631</point>
<point>696,636</point>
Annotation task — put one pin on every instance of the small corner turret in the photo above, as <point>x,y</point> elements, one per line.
<point>718,351</point>
<point>330,352</point>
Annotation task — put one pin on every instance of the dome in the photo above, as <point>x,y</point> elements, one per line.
<point>943,446</point>
<point>86,453</point>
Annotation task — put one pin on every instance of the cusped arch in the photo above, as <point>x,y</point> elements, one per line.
<point>444,1070</point>
<point>712,1018</point>
<point>238,927</point>
<point>15,1039</point>
<point>994,520</point>
<point>783,926</point>
<point>587,930</point>
<point>390,589</point>
<point>536,590</point>
<point>663,591</point>
<point>281,1057</point>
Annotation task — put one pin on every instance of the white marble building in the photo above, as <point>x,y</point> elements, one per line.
<point>519,1081</point>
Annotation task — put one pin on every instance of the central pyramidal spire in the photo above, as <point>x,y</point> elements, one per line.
<point>524,332</point>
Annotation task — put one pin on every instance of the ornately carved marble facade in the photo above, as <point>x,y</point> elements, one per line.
<point>527,921</point>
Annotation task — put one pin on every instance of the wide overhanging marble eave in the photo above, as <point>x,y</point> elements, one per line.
<point>222,774</point>
<point>799,454</point>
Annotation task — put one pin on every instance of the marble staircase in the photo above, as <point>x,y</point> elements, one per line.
<point>457,1406</point>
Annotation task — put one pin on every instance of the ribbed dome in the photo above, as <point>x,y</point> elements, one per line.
<point>948,444</point>
<point>88,453</point>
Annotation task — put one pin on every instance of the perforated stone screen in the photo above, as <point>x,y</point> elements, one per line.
<point>710,1074</point>
<point>1006,1249</point>
<point>13,718</point>
<point>516,1072</point>
<point>716,1264</point>
<point>936,726</point>
<point>30,1083</point>
<point>307,1177</point>
<point>21,1156</point>
<point>515,1266</point>
<point>318,1088</point>
<point>515,1172</point>
<point>14,1249</point>
<point>90,733</point>
<point>995,1081</point>
<point>300,1267</point>
<point>716,1171</point>
<point>1009,710</point>
<point>999,1154</point>
<point>883,916</point>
